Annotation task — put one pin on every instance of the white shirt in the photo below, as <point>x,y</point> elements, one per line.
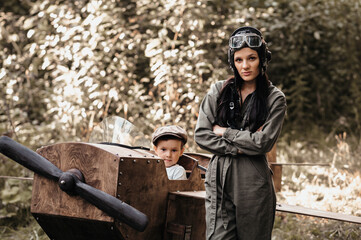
<point>176,172</point>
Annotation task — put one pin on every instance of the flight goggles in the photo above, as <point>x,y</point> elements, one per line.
<point>251,39</point>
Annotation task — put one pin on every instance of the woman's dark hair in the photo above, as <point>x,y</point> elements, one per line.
<point>228,106</point>
<point>227,117</point>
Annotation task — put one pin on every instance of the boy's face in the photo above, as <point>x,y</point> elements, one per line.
<point>170,150</point>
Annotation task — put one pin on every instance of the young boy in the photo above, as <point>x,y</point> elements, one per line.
<point>169,144</point>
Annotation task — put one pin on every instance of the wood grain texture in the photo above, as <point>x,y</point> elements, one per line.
<point>143,183</point>
<point>318,213</point>
<point>187,210</point>
<point>277,177</point>
<point>99,168</point>
<point>272,155</point>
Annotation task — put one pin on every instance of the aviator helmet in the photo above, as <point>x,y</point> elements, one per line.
<point>252,38</point>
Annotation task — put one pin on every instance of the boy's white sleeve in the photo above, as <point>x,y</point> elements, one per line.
<point>176,173</point>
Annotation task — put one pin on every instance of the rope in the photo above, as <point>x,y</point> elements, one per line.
<point>18,178</point>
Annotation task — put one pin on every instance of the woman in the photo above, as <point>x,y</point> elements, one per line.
<point>239,121</point>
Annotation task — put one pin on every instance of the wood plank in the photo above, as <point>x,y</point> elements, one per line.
<point>282,207</point>
<point>178,231</point>
<point>193,194</point>
<point>143,183</point>
<point>203,158</point>
<point>277,177</point>
<point>272,155</point>
<point>17,178</point>
<point>187,211</point>
<point>300,164</point>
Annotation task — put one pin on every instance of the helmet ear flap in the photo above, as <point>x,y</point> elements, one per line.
<point>230,59</point>
<point>268,55</point>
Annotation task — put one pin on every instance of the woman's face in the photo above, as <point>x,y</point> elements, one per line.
<point>246,61</point>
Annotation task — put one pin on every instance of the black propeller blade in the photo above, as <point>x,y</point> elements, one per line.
<point>28,158</point>
<point>70,183</point>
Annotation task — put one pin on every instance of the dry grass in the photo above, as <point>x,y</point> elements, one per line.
<point>336,188</point>
<point>32,231</point>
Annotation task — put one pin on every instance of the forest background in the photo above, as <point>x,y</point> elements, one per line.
<point>67,64</point>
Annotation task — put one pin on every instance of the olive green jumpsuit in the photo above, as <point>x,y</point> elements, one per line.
<point>240,197</point>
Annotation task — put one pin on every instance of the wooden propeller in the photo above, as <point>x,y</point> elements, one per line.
<point>72,183</point>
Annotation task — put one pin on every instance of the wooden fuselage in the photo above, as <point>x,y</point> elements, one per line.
<point>136,177</point>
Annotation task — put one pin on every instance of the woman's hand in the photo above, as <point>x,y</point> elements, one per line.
<point>218,130</point>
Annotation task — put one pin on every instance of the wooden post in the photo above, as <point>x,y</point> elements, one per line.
<point>276,169</point>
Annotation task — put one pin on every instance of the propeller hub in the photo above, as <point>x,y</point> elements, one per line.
<point>66,182</point>
<point>68,179</point>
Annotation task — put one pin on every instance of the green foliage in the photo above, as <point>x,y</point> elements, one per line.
<point>66,65</point>
<point>32,231</point>
<point>20,7</point>
<point>15,195</point>
<point>316,61</point>
<point>15,198</point>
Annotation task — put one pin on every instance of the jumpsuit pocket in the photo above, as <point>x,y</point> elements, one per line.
<point>261,166</point>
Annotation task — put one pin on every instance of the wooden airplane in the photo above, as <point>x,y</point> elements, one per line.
<point>115,191</point>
